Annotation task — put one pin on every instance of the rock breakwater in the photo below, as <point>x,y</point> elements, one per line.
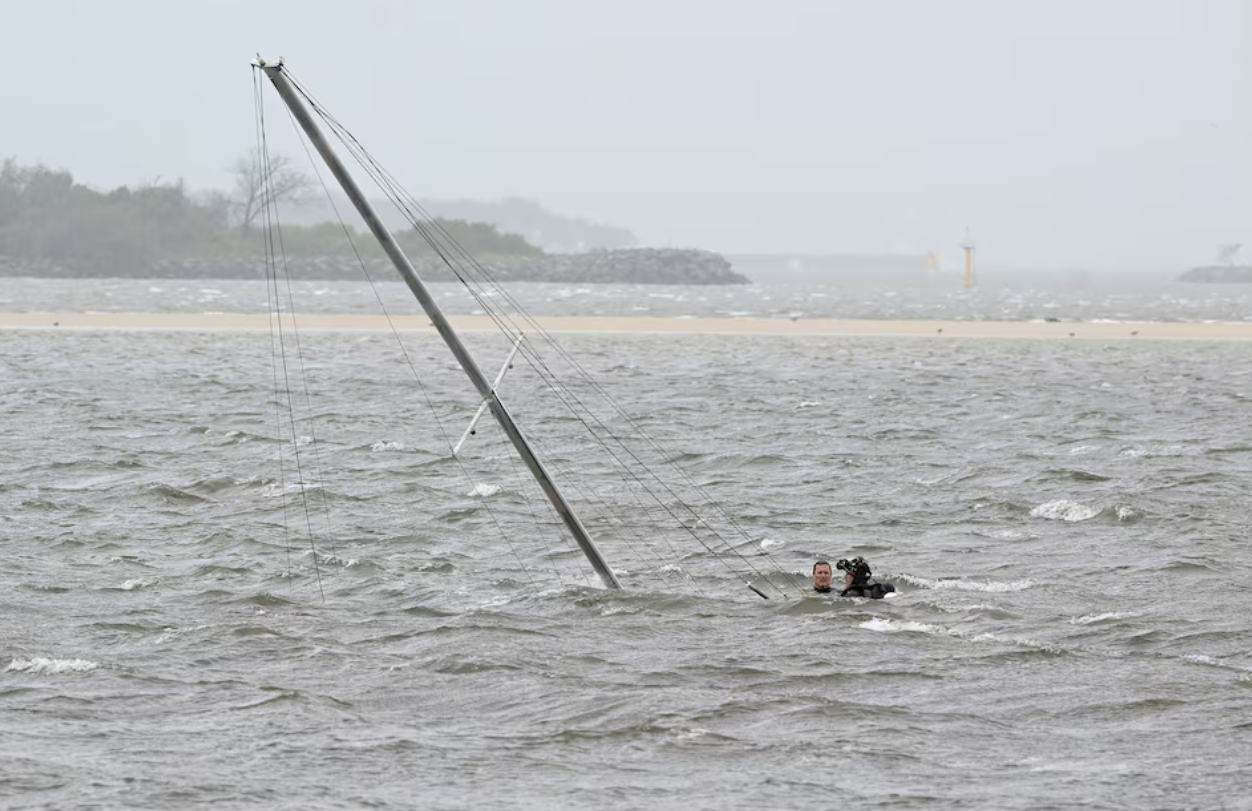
<point>1219,274</point>
<point>624,266</point>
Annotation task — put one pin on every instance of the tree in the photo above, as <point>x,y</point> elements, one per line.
<point>262,181</point>
<point>1226,253</point>
<point>46,216</point>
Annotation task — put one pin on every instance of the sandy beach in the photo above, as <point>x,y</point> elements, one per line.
<point>693,326</point>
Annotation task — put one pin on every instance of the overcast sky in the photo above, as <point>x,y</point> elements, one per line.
<point>1092,133</point>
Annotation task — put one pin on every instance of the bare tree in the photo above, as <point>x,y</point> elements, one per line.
<point>261,181</point>
<point>1227,253</point>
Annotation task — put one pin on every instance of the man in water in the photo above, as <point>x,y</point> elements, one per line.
<point>857,580</point>
<point>821,577</point>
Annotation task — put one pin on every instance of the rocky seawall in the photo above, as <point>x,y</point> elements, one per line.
<point>1220,274</point>
<point>625,266</point>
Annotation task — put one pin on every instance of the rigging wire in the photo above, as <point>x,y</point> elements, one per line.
<point>271,306</point>
<point>524,483</point>
<point>576,406</point>
<point>444,246</point>
<point>303,378</point>
<point>276,329</point>
<point>397,195</point>
<point>408,360</point>
<point>395,192</point>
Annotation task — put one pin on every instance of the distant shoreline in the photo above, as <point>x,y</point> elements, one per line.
<point>680,266</point>
<point>212,322</point>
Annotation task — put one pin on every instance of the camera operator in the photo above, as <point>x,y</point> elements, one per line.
<point>858,580</point>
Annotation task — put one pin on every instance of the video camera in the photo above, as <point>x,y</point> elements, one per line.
<point>857,567</point>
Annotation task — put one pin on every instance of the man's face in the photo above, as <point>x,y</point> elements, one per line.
<point>821,577</point>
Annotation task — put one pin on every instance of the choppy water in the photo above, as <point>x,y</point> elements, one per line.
<point>1119,298</point>
<point>1067,522</point>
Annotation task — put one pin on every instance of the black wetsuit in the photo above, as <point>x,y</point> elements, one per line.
<point>874,591</point>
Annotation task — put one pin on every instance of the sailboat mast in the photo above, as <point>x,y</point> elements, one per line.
<point>440,322</point>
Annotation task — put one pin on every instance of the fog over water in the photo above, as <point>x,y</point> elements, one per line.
<point>1065,134</point>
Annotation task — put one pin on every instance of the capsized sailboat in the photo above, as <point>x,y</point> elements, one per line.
<point>303,109</point>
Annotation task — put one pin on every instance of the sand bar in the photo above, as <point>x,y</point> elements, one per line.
<point>692,326</point>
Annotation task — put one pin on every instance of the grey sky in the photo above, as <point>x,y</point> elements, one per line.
<point>1099,133</point>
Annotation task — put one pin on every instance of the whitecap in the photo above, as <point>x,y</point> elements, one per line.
<point>1160,450</point>
<point>966,585</point>
<point>1200,659</point>
<point>890,626</point>
<point>1088,619</point>
<point>41,664</point>
<point>1064,510</point>
<point>169,633</point>
<point>329,558</point>
<point>387,446</point>
<point>484,490</point>
<point>1125,513</point>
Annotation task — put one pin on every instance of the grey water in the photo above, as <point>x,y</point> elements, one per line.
<point>1111,298</point>
<point>1067,523</point>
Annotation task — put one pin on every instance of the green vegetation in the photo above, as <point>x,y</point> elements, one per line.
<point>481,240</point>
<point>46,215</point>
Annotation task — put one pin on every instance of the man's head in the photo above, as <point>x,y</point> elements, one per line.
<point>821,575</point>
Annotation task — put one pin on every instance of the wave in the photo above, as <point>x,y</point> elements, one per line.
<point>170,493</point>
<point>891,626</point>
<point>1075,475</point>
<point>953,584</point>
<point>214,484</point>
<point>54,667</point>
<point>45,588</point>
<point>1093,619</point>
<point>1064,509</point>
<point>333,559</point>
